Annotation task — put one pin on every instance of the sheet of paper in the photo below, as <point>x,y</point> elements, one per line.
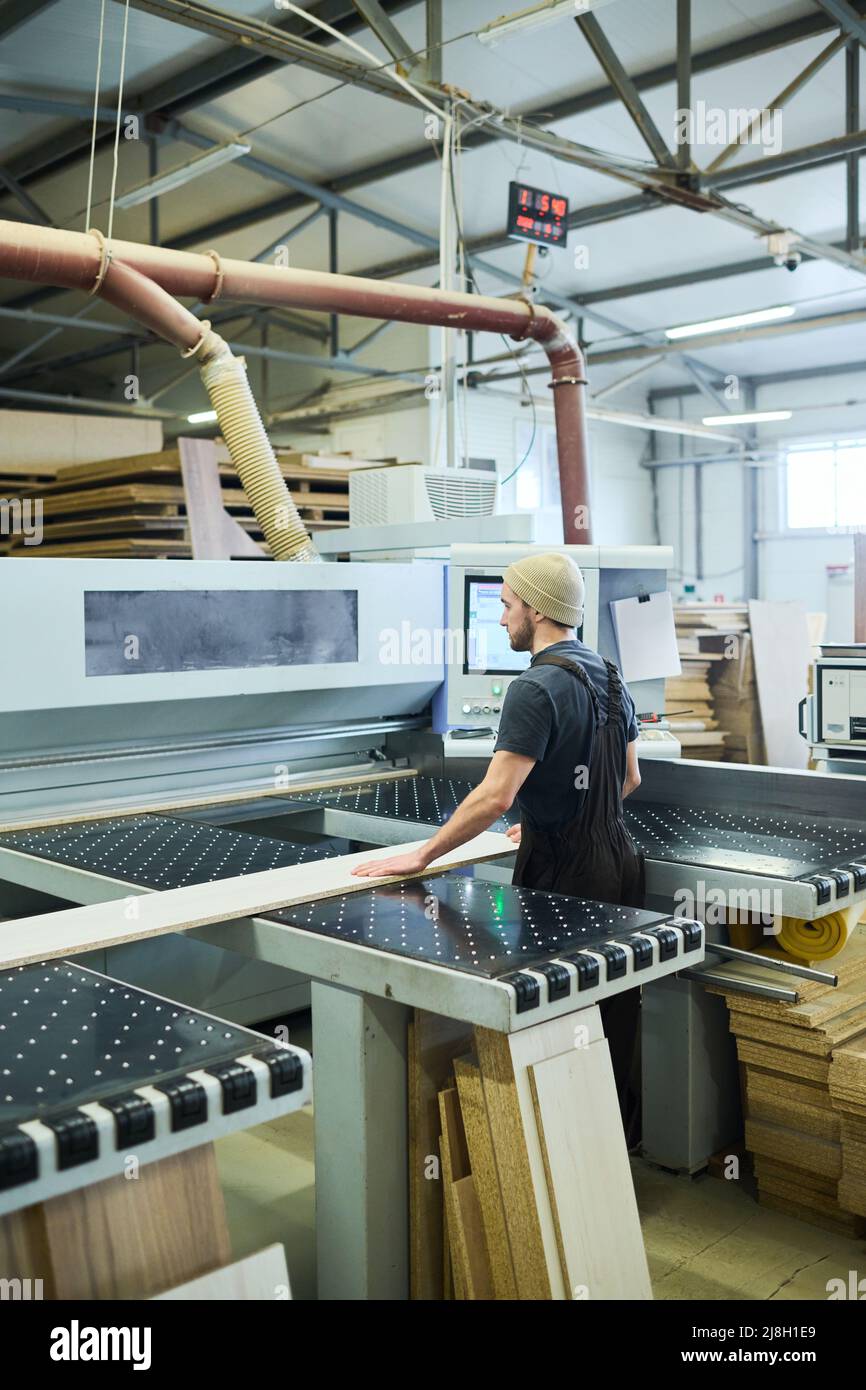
<point>646,637</point>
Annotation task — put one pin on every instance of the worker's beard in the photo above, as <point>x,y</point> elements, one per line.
<point>522,637</point>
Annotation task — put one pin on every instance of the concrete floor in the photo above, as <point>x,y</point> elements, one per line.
<point>705,1238</point>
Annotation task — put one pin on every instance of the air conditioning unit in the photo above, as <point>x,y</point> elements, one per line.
<point>412,492</point>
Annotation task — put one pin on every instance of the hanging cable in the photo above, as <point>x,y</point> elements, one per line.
<point>117,123</point>
<point>95,110</point>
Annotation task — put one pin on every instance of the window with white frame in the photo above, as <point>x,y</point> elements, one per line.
<point>826,486</point>
<point>536,481</point>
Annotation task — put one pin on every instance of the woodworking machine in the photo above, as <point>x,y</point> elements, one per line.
<point>212,718</point>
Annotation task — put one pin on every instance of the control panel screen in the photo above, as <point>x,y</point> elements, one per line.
<point>488,650</point>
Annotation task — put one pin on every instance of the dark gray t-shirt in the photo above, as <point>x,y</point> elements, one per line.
<point>547,715</point>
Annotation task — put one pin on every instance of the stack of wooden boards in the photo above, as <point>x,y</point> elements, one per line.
<point>520,1184</point>
<point>713,704</point>
<point>848,1094</point>
<point>804,1070</point>
<point>136,507</point>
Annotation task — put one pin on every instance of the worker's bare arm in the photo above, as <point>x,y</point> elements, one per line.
<point>484,804</point>
<point>632,772</point>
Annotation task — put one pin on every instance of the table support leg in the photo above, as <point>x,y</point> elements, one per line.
<point>360,1095</point>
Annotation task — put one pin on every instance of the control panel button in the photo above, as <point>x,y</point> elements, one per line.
<point>486,709</point>
<point>476,709</point>
<point>467,709</point>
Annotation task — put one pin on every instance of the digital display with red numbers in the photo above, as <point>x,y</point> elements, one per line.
<point>534,215</point>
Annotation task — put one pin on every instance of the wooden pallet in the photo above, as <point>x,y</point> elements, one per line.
<point>137,507</point>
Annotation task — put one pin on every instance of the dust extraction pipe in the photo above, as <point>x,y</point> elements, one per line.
<point>77,260</point>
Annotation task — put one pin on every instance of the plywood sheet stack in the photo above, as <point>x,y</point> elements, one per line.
<point>794,1127</point>
<point>532,1198</point>
<point>715,707</point>
<point>136,507</point>
<point>848,1095</point>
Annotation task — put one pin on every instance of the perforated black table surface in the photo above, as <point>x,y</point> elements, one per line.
<point>156,851</point>
<point>780,846</point>
<point>69,1035</point>
<point>422,800</point>
<point>486,929</point>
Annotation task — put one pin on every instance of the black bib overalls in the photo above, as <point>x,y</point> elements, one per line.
<point>594,856</point>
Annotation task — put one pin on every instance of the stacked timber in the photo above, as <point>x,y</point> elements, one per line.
<point>794,1123</point>
<point>848,1095</point>
<point>137,507</point>
<point>512,1194</point>
<point>716,714</point>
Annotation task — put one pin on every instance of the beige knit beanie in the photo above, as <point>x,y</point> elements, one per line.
<point>551,584</point>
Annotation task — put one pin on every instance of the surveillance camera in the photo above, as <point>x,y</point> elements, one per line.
<point>790,260</point>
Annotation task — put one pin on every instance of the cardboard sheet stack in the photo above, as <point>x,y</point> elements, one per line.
<point>808,1149</point>
<point>714,702</point>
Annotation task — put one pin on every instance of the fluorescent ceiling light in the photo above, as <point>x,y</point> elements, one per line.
<point>201,416</point>
<point>752,417</point>
<point>783,311</point>
<point>176,178</point>
<point>532,18</point>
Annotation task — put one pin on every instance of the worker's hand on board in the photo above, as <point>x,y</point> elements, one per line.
<point>413,863</point>
<point>513,833</point>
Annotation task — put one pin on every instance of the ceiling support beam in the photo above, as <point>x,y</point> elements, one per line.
<point>624,87</point>
<point>849,21</point>
<point>778,102</point>
<point>852,121</point>
<point>387,33</point>
<point>14,13</point>
<point>684,80</point>
<point>29,204</point>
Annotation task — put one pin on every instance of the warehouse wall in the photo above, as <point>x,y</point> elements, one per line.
<point>790,565</point>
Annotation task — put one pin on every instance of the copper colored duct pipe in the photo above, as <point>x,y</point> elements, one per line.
<point>72,259</point>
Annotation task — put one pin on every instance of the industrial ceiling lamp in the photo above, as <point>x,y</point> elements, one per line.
<point>751,417</point>
<point>689,330</point>
<point>176,178</point>
<point>534,17</point>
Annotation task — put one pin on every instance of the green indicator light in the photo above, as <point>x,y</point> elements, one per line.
<point>497,687</point>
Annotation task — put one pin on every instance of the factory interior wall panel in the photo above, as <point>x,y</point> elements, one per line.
<point>394,434</point>
<point>621,489</point>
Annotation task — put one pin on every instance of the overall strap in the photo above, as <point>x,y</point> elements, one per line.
<point>576,670</point>
<point>614,693</point>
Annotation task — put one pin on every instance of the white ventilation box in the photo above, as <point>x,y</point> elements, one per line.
<point>412,492</point>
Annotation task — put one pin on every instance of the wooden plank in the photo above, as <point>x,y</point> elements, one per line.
<point>26,940</point>
<point>512,1163</point>
<point>238,794</point>
<point>123,1239</point>
<point>434,1042</point>
<point>44,438</point>
<point>263,1277</point>
<point>214,535</point>
<point>450,1157</point>
<point>470,1237</point>
<point>588,1174</point>
<point>482,1160</point>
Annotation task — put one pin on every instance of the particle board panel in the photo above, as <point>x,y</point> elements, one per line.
<point>817,1041</point>
<point>531,1268</point>
<point>74,930</point>
<point>775,1086</point>
<point>852,1194</point>
<point>476,1125</point>
<point>842,1224</point>
<point>783,1059</point>
<point>452,1170</point>
<point>470,1238</point>
<point>800,1178</point>
<point>806,1119</point>
<point>820,1156</point>
<point>434,1042</point>
<point>588,1175</point>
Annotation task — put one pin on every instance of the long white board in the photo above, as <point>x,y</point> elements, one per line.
<point>24,940</point>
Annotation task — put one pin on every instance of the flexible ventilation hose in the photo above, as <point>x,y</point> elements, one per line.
<point>225,379</point>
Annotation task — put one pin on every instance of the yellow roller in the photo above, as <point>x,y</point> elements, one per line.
<point>818,939</point>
